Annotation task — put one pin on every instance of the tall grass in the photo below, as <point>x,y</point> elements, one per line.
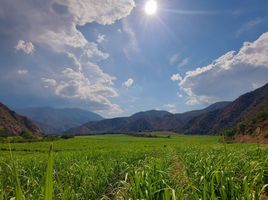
<point>18,191</point>
<point>49,175</point>
<point>105,167</point>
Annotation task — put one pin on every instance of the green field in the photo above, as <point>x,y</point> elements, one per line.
<point>126,167</point>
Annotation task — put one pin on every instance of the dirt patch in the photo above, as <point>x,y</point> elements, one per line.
<point>251,139</point>
<point>178,172</point>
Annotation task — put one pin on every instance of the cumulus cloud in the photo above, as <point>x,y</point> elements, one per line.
<point>95,89</point>
<point>26,47</point>
<point>128,83</point>
<point>229,76</point>
<point>176,77</point>
<point>22,71</point>
<point>101,38</point>
<point>170,108</point>
<point>53,25</point>
<point>49,82</point>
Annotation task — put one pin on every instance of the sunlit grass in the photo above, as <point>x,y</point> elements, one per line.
<point>124,167</point>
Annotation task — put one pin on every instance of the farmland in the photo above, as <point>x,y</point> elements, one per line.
<point>126,167</point>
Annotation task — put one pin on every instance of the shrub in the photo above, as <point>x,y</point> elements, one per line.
<point>26,134</point>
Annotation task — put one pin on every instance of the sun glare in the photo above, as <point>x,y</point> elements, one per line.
<point>150,7</point>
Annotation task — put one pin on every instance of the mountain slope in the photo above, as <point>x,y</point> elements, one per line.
<point>58,120</point>
<point>243,107</point>
<point>187,116</point>
<point>13,124</point>
<point>151,120</point>
<point>142,121</point>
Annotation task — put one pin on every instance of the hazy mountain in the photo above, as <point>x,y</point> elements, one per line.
<point>57,120</point>
<point>152,120</point>
<point>13,124</point>
<point>243,107</point>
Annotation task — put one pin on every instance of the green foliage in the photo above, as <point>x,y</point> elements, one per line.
<point>67,136</point>
<point>26,134</point>
<point>18,191</point>
<point>127,167</point>
<point>3,132</point>
<point>49,176</point>
<point>249,125</point>
<point>228,132</point>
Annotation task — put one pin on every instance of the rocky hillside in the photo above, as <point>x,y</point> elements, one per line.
<point>13,124</point>
<point>246,106</point>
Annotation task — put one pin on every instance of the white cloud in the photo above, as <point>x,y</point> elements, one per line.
<point>179,95</point>
<point>128,83</point>
<point>53,25</point>
<point>170,108</point>
<point>101,38</point>
<point>174,58</point>
<point>95,88</point>
<point>93,52</point>
<point>176,77</point>
<point>22,71</point>
<point>230,75</point>
<point>26,47</point>
<point>49,82</point>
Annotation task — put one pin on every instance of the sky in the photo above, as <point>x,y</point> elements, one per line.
<point>113,58</point>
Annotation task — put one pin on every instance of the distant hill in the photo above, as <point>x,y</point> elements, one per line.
<point>246,106</point>
<point>13,124</point>
<point>142,121</point>
<point>57,120</point>
<point>151,120</point>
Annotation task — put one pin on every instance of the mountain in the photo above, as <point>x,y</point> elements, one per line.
<point>13,124</point>
<point>187,116</point>
<point>210,120</point>
<point>151,120</point>
<point>57,120</point>
<point>143,121</point>
<point>246,106</point>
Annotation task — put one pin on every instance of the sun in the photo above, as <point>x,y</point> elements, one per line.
<point>150,7</point>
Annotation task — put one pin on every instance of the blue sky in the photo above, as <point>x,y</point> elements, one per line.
<point>110,57</point>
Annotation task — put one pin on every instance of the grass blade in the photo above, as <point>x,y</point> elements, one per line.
<point>49,176</point>
<point>18,190</point>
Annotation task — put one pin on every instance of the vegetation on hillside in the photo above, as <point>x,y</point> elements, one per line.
<point>254,125</point>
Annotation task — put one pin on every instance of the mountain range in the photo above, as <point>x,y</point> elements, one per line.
<point>57,120</point>
<point>249,111</point>
<point>210,120</point>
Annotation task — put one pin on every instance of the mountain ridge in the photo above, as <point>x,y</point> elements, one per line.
<point>210,120</point>
<point>151,120</point>
<point>57,120</point>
